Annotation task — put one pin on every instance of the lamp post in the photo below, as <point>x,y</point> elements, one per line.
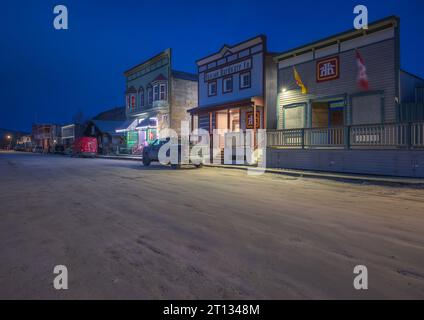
<point>9,137</point>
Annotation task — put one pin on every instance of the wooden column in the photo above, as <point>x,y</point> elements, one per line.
<point>192,122</point>
<point>254,124</point>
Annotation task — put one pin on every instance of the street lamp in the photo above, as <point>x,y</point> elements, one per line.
<point>9,137</point>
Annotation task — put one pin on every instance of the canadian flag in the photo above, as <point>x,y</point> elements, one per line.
<point>362,72</point>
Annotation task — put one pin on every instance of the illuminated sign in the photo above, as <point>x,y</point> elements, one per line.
<point>232,68</point>
<point>328,69</point>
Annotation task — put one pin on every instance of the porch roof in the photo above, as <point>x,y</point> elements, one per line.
<point>229,105</point>
<point>127,126</point>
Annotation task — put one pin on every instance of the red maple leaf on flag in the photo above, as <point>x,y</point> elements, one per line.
<point>362,72</point>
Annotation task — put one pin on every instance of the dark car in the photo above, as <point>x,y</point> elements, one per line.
<point>19,147</point>
<point>151,153</point>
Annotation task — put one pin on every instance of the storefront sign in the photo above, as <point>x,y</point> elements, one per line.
<point>233,68</point>
<point>328,69</point>
<point>249,120</point>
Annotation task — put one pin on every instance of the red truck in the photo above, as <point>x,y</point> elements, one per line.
<point>85,147</point>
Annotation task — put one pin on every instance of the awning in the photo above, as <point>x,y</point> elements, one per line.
<point>127,126</point>
<point>228,105</point>
<point>147,123</point>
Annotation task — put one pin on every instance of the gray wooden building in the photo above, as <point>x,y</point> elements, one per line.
<point>350,117</point>
<point>335,99</point>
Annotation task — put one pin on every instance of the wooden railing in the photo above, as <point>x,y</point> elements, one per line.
<point>393,135</point>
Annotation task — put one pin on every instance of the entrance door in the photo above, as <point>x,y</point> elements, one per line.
<point>336,117</point>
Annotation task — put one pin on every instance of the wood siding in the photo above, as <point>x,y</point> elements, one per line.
<point>381,62</point>
<point>404,163</point>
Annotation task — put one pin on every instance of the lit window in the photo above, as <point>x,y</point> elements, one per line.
<point>245,80</point>
<point>227,85</point>
<point>128,101</point>
<point>162,93</point>
<point>212,88</point>
<point>156,92</point>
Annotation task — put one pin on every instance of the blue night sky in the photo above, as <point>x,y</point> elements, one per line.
<point>47,75</point>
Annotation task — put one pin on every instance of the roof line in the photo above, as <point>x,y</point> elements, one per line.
<point>232,46</point>
<point>146,61</point>
<point>412,74</point>
<point>335,36</point>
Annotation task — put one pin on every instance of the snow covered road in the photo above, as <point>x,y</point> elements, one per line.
<point>129,232</point>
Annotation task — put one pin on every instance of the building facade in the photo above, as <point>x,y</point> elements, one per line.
<point>329,70</point>
<point>70,133</point>
<point>157,98</point>
<point>237,88</point>
<point>46,136</point>
<point>345,105</point>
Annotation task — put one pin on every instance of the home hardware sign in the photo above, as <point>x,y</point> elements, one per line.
<point>328,69</point>
<point>233,68</point>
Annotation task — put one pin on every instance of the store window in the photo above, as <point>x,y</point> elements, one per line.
<point>367,109</point>
<point>294,116</point>
<point>245,80</point>
<point>212,87</point>
<point>227,84</point>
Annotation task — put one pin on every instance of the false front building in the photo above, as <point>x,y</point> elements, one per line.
<point>157,98</point>
<point>237,88</point>
<point>353,78</point>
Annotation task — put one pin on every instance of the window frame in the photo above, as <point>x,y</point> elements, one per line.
<point>128,103</point>
<point>164,86</point>
<point>302,105</point>
<point>241,87</point>
<point>141,97</point>
<point>149,95</point>
<point>224,80</point>
<point>133,101</point>
<point>216,88</point>
<point>156,94</point>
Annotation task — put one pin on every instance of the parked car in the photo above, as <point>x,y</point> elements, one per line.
<point>151,153</point>
<point>19,147</point>
<point>38,149</point>
<point>85,147</point>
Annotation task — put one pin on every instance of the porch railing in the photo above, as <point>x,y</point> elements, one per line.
<point>393,135</point>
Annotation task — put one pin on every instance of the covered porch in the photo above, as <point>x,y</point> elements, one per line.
<point>230,117</point>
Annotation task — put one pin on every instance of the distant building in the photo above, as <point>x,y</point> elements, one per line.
<point>157,97</point>
<point>108,140</point>
<point>70,133</point>
<point>46,135</point>
<point>10,138</point>
<point>24,142</point>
